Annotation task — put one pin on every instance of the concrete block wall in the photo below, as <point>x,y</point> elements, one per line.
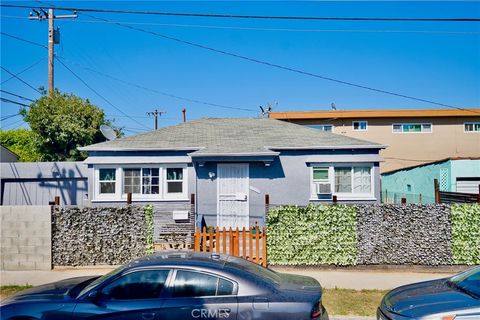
<point>26,238</point>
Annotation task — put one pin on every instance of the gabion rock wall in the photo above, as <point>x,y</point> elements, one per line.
<point>404,234</point>
<point>90,236</point>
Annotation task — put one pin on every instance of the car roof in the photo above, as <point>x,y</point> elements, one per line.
<point>181,258</point>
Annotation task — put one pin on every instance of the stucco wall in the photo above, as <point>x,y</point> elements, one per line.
<point>25,241</point>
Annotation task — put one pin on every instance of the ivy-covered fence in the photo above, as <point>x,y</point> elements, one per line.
<point>374,234</point>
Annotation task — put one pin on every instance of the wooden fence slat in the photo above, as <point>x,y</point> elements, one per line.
<point>236,243</point>
<point>230,242</point>
<point>244,244</point>
<point>257,245</point>
<point>250,243</point>
<point>264,248</point>
<point>217,238</point>
<point>224,241</point>
<point>196,245</point>
<point>204,239</point>
<point>210,234</point>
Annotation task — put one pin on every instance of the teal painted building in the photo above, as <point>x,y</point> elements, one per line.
<point>416,184</point>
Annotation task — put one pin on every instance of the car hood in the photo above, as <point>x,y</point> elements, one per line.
<point>51,291</point>
<point>426,298</point>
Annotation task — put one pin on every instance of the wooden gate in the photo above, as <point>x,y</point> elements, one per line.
<point>248,244</point>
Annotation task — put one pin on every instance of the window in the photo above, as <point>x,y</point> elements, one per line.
<point>320,174</point>
<point>360,125</point>
<point>472,127</point>
<point>107,181</point>
<point>322,127</point>
<point>137,285</point>
<point>174,180</point>
<point>144,181</point>
<point>353,180</point>
<point>412,127</point>
<point>196,284</point>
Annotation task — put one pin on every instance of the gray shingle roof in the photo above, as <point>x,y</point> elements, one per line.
<point>232,136</point>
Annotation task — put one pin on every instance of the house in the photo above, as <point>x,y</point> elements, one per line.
<point>416,183</point>
<point>6,155</point>
<point>413,136</point>
<point>230,165</point>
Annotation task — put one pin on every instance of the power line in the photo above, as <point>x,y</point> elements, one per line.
<point>24,40</point>
<point>14,102</point>
<point>26,69</point>
<point>149,89</point>
<point>16,95</point>
<point>278,66</point>
<point>16,76</point>
<point>9,117</point>
<point>268,29</point>
<point>237,16</point>
<point>98,94</point>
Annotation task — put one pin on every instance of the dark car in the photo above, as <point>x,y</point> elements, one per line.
<point>456,298</point>
<point>174,286</point>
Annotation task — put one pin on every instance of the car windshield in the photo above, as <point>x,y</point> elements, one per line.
<point>100,280</point>
<point>468,281</point>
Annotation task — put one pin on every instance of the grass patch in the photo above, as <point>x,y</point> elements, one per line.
<point>352,302</point>
<point>6,291</point>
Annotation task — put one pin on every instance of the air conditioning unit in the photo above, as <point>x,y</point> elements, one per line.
<point>323,188</point>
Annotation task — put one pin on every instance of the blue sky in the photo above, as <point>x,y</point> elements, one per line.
<point>437,61</point>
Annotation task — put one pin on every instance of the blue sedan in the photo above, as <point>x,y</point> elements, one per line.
<point>174,286</point>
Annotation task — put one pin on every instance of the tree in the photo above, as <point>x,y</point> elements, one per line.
<point>22,143</point>
<point>63,122</point>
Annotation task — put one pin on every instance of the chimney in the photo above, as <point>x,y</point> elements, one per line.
<point>184,112</point>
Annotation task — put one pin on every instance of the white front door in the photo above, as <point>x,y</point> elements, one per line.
<point>233,189</point>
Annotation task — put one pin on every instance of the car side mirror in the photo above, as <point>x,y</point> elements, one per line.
<point>93,295</point>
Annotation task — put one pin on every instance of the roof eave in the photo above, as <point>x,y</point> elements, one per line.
<point>374,146</point>
<point>138,149</point>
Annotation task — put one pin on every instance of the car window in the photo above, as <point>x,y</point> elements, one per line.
<point>468,281</point>
<point>197,284</point>
<point>147,284</point>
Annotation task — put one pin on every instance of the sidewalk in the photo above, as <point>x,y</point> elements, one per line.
<point>331,278</point>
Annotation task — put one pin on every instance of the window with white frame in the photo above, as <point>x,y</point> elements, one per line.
<point>107,181</point>
<point>346,181</point>
<point>159,182</point>
<point>174,180</point>
<point>322,127</point>
<point>360,125</point>
<point>472,126</point>
<point>412,128</point>
<point>355,180</point>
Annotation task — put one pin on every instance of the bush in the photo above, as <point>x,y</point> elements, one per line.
<point>312,235</point>
<point>466,233</point>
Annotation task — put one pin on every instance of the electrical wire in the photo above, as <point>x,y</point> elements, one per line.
<point>24,40</point>
<point>13,123</point>
<point>14,102</point>
<point>278,66</point>
<point>9,117</point>
<point>17,95</point>
<point>97,93</point>
<point>237,16</point>
<point>24,70</point>
<point>20,79</point>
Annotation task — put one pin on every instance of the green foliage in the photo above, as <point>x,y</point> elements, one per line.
<point>316,234</point>
<point>466,233</point>
<point>148,209</point>
<point>62,123</point>
<point>22,143</point>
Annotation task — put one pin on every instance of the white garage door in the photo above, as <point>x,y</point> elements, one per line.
<point>468,185</point>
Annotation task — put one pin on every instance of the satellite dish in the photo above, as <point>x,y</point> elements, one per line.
<point>108,132</point>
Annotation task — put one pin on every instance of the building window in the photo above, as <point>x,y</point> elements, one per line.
<point>174,180</point>
<point>150,181</point>
<point>472,126</point>
<point>131,180</point>
<point>360,125</point>
<point>107,181</point>
<point>320,174</point>
<point>412,128</point>
<point>322,127</point>
<point>353,180</point>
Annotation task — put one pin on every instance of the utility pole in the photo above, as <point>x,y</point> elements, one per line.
<point>53,38</point>
<point>156,113</point>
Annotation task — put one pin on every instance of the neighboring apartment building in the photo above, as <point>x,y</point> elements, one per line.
<point>413,136</point>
